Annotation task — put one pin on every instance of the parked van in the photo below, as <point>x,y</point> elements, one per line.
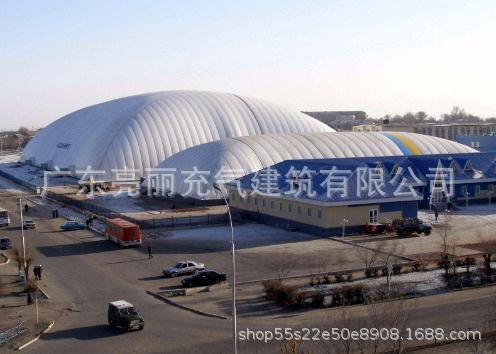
<point>4,217</point>
<point>123,232</point>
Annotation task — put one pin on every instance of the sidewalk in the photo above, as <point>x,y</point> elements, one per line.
<point>14,309</point>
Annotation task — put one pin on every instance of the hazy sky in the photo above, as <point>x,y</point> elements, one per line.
<point>378,56</point>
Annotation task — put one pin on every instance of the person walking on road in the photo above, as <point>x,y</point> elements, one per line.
<point>26,207</point>
<point>40,269</point>
<point>35,272</point>
<point>150,256</point>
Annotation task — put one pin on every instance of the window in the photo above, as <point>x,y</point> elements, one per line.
<point>373,216</point>
<point>299,210</point>
<point>468,167</point>
<point>319,214</point>
<point>263,203</point>
<point>477,189</point>
<point>233,197</point>
<point>280,206</point>
<point>256,201</point>
<point>272,204</point>
<point>309,212</point>
<point>248,200</point>
<point>289,208</point>
<point>464,191</point>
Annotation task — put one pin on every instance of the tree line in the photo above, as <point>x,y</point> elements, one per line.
<point>456,115</point>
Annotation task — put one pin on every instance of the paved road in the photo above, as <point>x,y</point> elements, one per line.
<point>75,272</point>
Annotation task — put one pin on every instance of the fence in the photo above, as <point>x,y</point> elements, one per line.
<point>19,181</point>
<point>8,335</point>
<point>154,222</point>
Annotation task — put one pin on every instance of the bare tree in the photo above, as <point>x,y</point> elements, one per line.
<point>25,265</point>
<point>368,257</point>
<point>282,266</point>
<point>488,247</point>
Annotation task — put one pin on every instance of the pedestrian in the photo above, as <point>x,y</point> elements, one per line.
<point>88,223</point>
<point>56,213</point>
<point>150,256</point>
<point>26,207</point>
<point>53,213</point>
<point>35,272</point>
<point>40,269</point>
<point>436,214</point>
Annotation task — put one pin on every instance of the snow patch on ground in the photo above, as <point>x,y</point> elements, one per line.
<point>244,234</point>
<point>9,158</point>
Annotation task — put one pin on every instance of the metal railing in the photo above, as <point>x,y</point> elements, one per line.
<point>154,222</point>
<point>8,335</point>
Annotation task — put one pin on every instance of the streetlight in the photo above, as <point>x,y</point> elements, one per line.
<point>344,222</point>
<point>234,324</point>
<point>30,301</point>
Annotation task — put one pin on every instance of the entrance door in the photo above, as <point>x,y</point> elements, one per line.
<point>373,216</point>
<point>438,196</point>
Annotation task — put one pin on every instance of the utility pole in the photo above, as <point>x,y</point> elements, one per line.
<point>233,259</point>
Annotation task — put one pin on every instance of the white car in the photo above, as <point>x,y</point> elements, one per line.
<point>183,267</point>
<point>29,224</point>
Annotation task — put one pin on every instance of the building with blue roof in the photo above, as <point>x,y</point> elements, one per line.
<point>321,195</point>
<point>482,143</point>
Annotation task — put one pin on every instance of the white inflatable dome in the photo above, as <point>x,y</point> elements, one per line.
<point>138,132</point>
<point>245,155</point>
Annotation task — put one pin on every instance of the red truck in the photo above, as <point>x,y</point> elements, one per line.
<point>123,232</point>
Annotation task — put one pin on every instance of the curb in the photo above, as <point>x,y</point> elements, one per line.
<point>7,260</point>
<point>173,303</point>
<point>37,337</point>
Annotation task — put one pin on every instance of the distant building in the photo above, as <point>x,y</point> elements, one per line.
<point>446,131</point>
<point>367,128</point>
<point>340,120</point>
<point>482,143</point>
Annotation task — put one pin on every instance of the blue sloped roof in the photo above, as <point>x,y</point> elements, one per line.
<point>412,170</point>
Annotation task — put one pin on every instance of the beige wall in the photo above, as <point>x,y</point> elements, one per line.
<point>325,217</point>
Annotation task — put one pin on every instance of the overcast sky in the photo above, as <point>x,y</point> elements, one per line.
<point>383,57</point>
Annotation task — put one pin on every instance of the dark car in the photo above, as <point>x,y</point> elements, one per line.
<point>5,243</point>
<point>122,314</point>
<point>408,226</point>
<point>204,277</point>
